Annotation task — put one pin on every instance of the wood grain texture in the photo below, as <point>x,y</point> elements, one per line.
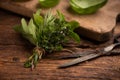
<point>14,50</point>
<point>98,26</point>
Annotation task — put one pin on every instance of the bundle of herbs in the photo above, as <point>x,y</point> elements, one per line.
<point>47,34</point>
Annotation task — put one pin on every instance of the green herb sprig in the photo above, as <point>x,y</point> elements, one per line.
<point>47,34</point>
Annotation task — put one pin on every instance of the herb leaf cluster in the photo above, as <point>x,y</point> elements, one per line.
<point>47,33</point>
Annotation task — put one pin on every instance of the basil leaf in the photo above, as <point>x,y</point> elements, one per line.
<point>87,6</point>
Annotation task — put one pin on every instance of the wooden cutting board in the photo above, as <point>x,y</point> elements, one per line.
<point>98,26</point>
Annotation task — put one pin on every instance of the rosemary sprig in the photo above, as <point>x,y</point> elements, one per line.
<point>47,33</point>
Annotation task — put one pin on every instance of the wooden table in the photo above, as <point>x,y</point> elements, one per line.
<point>14,50</point>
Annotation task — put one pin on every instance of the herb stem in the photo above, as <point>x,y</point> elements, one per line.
<point>33,60</point>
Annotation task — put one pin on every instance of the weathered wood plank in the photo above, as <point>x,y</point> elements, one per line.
<point>13,53</point>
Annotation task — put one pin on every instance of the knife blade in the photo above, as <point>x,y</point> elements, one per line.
<point>77,55</point>
<point>79,60</point>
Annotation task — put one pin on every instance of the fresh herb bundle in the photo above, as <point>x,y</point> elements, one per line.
<point>47,33</point>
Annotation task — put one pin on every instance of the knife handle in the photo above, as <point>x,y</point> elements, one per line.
<point>114,52</point>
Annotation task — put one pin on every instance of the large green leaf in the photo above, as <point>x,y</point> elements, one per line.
<point>24,25</point>
<point>87,6</point>
<point>32,28</point>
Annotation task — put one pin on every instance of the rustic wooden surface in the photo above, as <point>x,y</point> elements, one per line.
<point>97,26</point>
<point>14,50</point>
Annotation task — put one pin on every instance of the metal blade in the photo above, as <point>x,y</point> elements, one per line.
<point>77,54</point>
<point>79,60</point>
